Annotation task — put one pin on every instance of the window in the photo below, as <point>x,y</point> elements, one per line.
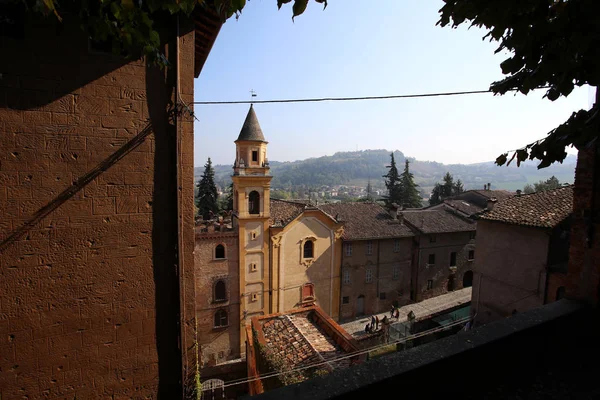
<point>346,300</point>
<point>220,291</point>
<point>395,272</point>
<point>396,245</point>
<point>369,248</point>
<point>471,235</point>
<point>254,155</point>
<point>254,202</point>
<point>308,249</point>
<point>348,249</point>
<point>453,259</point>
<point>432,239</point>
<point>369,275</point>
<point>308,291</point>
<point>468,279</point>
<point>346,276</point>
<point>221,319</point>
<point>382,296</point>
<point>471,255</point>
<point>254,297</point>
<point>253,267</point>
<point>431,259</point>
<point>252,235</point>
<point>429,284</point>
<point>220,251</point>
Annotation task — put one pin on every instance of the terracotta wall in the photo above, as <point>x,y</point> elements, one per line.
<point>89,290</point>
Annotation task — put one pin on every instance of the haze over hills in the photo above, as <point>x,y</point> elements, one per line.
<point>357,167</point>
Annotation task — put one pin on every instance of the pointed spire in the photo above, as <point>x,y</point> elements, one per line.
<point>251,129</point>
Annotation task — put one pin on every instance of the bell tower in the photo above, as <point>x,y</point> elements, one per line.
<point>251,212</point>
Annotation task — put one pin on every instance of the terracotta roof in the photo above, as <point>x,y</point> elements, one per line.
<point>438,221</point>
<point>207,25</point>
<point>497,194</point>
<point>541,209</point>
<point>282,211</point>
<point>251,128</point>
<point>463,206</point>
<point>366,221</point>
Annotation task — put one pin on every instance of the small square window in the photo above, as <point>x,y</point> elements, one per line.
<point>346,300</point>
<point>432,239</point>
<point>346,278</point>
<point>382,296</point>
<point>253,235</point>
<point>471,255</point>
<point>253,267</point>
<point>429,284</point>
<point>254,296</point>
<point>431,259</point>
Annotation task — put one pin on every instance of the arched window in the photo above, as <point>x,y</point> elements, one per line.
<point>221,319</point>
<point>220,251</point>
<point>220,291</point>
<point>308,249</point>
<point>254,202</point>
<point>468,279</point>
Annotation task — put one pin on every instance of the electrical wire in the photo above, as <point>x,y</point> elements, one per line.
<point>236,382</point>
<point>319,99</point>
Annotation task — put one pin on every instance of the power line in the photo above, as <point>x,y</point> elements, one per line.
<point>318,99</point>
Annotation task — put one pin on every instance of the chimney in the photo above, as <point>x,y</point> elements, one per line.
<point>401,218</point>
<point>489,186</point>
<point>491,203</point>
<point>518,192</point>
<point>394,210</point>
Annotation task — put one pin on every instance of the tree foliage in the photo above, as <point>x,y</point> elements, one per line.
<point>410,195</point>
<point>548,184</point>
<point>446,189</point>
<point>134,27</point>
<point>393,184</point>
<point>555,44</point>
<point>207,200</point>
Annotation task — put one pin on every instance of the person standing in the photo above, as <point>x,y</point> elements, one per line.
<point>372,320</point>
<point>376,322</point>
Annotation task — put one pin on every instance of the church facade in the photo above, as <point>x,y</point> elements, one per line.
<point>275,256</point>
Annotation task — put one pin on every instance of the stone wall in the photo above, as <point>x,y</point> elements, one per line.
<point>89,233</point>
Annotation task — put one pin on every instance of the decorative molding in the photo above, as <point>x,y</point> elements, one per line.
<point>338,233</point>
<point>276,240</point>
<point>307,262</point>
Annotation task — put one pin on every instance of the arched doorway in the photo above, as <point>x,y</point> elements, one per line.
<point>560,293</point>
<point>468,279</point>
<point>360,305</point>
<point>254,202</point>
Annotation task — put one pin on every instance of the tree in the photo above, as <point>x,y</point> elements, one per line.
<point>369,191</point>
<point>410,194</point>
<point>548,184</point>
<point>207,192</point>
<point>134,28</point>
<point>555,45</point>
<point>393,184</point>
<point>528,189</point>
<point>441,191</point>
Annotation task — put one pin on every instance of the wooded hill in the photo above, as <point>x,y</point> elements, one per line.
<point>357,167</point>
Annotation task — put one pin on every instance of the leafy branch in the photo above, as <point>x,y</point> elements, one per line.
<point>133,27</point>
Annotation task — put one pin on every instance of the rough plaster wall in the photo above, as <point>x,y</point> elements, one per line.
<point>509,267</point>
<point>84,266</point>
<point>296,274</point>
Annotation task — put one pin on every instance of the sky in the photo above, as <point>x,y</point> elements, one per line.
<point>357,48</point>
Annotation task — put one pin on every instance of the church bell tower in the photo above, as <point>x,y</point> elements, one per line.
<point>251,212</point>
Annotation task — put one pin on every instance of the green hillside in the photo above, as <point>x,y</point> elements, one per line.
<point>357,167</point>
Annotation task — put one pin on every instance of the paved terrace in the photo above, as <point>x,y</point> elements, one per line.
<point>422,310</point>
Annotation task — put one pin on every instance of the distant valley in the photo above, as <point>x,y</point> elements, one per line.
<point>356,168</point>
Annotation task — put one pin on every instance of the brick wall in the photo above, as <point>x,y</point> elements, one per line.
<point>583,277</point>
<point>89,289</point>
<point>217,344</point>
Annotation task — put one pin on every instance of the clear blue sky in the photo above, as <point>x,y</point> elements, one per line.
<point>358,48</point>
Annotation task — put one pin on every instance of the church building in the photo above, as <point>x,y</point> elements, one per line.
<point>274,256</point>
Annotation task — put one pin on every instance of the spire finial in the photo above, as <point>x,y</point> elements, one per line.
<point>252,94</point>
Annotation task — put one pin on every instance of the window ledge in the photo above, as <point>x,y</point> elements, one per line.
<point>220,301</point>
<point>218,328</point>
<point>219,259</point>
